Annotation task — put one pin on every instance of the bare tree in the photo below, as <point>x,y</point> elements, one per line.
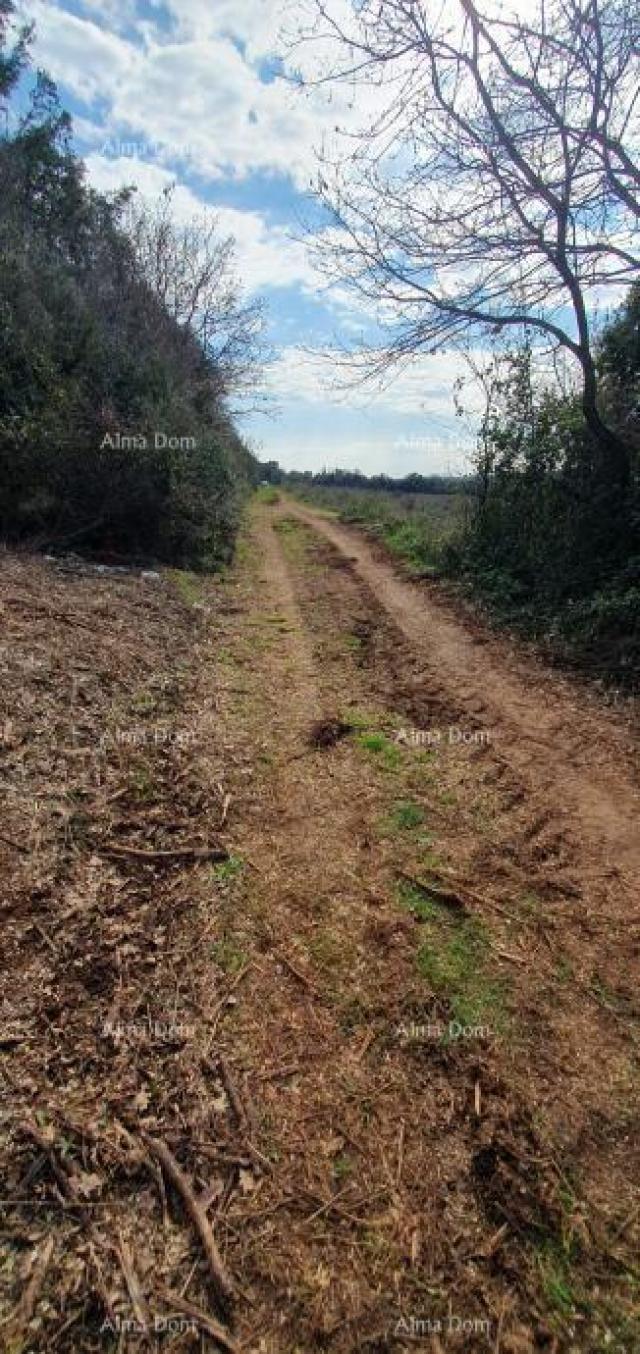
<point>494,185</point>
<point>192,268</point>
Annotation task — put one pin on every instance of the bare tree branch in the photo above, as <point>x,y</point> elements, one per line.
<point>494,182</point>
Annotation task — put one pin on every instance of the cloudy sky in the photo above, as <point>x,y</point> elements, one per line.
<point>191,91</point>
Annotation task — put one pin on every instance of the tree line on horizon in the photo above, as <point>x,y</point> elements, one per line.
<point>413,483</point>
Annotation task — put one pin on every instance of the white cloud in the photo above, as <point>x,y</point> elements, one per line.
<point>423,390</point>
<point>267,256</point>
<point>191,89</point>
<point>394,454</point>
<point>256,23</point>
<point>86,58</point>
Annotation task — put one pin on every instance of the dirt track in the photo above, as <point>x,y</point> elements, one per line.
<point>424,1128</point>
<point>579,759</point>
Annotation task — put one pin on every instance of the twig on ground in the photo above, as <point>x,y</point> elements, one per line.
<point>445,896</point>
<point>220,1009</point>
<point>505,954</point>
<point>302,977</point>
<point>177,853</point>
<point>221,1279</point>
<point>65,1180</point>
<point>41,931</point>
<point>22,1314</point>
<point>132,1281</point>
<point>207,1323</point>
<point>243,1119</point>
<point>233,1094</point>
<point>400,1152</point>
<point>17,846</point>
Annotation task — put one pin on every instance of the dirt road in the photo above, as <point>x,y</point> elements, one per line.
<point>578,758</point>
<point>405,1089</point>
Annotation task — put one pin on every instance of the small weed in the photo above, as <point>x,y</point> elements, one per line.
<point>405,816</point>
<point>530,903</point>
<point>227,869</point>
<point>554,1262</point>
<point>286,526</point>
<point>77,828</point>
<point>188,586</point>
<point>353,643</point>
<point>267,494</point>
<point>330,952</point>
<point>143,703</point>
<point>228,955</point>
<point>387,753</point>
<point>453,959</point>
<point>342,1167</point>
<point>353,1014</point>
<point>606,997</point>
<point>360,719</point>
<point>430,862</point>
<point>416,902</point>
<point>143,786</point>
<point>564,970</point>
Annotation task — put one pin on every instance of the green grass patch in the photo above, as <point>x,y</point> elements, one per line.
<point>564,970</point>
<point>353,643</point>
<point>287,526</point>
<point>360,719</point>
<point>386,753</point>
<point>405,816</point>
<point>558,1284</point>
<point>187,585</point>
<point>143,784</point>
<point>418,903</point>
<point>227,869</point>
<point>454,957</point>
<point>228,955</point>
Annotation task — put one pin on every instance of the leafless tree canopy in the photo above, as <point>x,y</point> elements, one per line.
<point>191,267</point>
<point>495,182</point>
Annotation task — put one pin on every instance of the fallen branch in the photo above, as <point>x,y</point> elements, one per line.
<point>233,1095</point>
<point>506,954</point>
<point>302,977</point>
<point>17,846</point>
<point>206,1322</point>
<point>445,896</point>
<point>132,1281</point>
<point>22,1314</point>
<point>221,1279</point>
<point>64,1178</point>
<point>176,853</point>
<point>220,1009</point>
<point>242,1117</point>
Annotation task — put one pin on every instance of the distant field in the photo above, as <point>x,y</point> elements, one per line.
<point>416,527</point>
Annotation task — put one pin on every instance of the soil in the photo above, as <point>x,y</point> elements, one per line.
<point>387,1033</point>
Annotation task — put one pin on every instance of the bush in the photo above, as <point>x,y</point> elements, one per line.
<point>114,433</point>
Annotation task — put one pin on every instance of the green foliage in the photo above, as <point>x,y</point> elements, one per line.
<point>454,959</point>
<point>386,753</point>
<point>406,815</point>
<point>114,434</point>
<point>553,544</point>
<point>417,527</point>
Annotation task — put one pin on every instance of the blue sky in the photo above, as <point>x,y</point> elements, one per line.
<point>189,91</point>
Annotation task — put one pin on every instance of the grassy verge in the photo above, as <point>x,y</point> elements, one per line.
<point>416,528</point>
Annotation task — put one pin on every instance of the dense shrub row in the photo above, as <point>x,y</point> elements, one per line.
<point>114,427</point>
<point>554,542</point>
